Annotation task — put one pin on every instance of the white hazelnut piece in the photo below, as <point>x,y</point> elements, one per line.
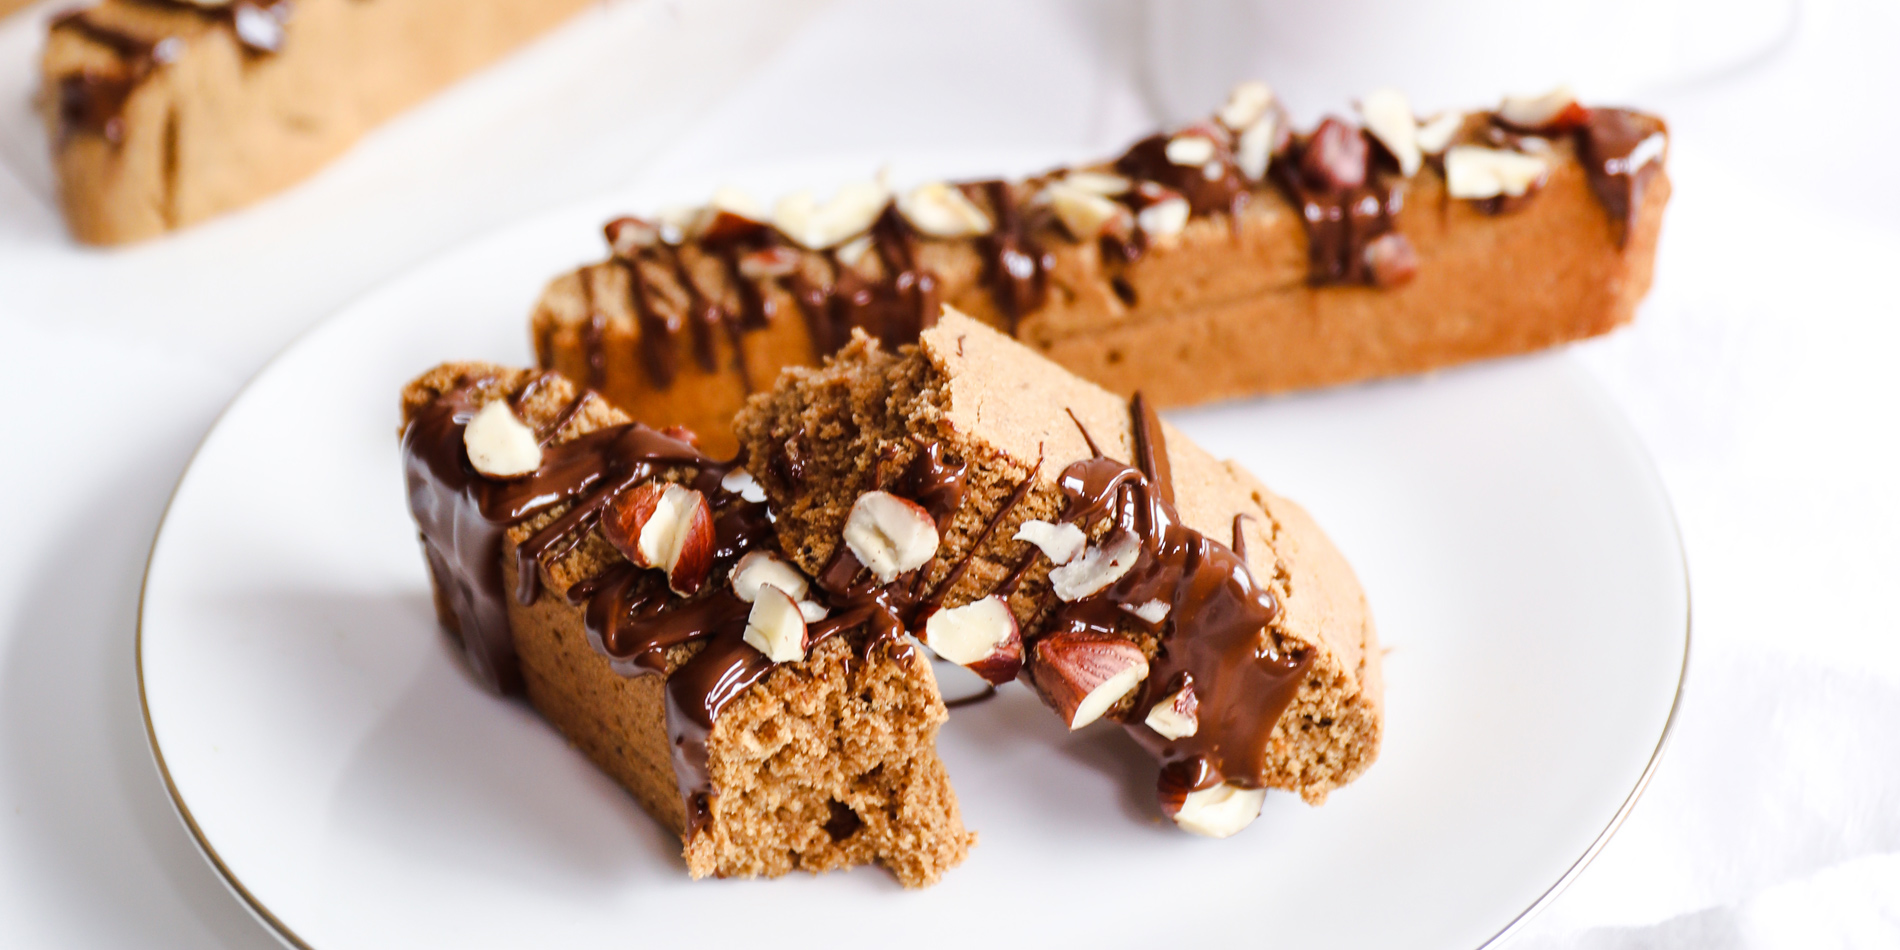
<point>1246,104</point>
<point>1083,675</point>
<point>665,526</point>
<point>1163,219</point>
<point>1152,611</point>
<point>1435,135</point>
<point>1536,112</point>
<point>760,569</point>
<point>1176,716</point>
<point>1097,568</point>
<point>1221,811</point>
<point>1086,215</point>
<point>1254,149</point>
<point>1388,116</point>
<point>1476,172</point>
<point>941,209</point>
<point>500,445</point>
<point>1191,149</point>
<point>776,627</point>
<point>1106,184</point>
<point>889,535</point>
<point>849,213</point>
<point>740,482</point>
<point>1059,542</point>
<point>851,253</point>
<point>981,635</point>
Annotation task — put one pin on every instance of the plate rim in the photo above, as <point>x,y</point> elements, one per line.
<point>282,931</point>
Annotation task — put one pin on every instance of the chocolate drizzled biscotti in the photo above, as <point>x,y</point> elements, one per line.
<point>621,578</point>
<point>1020,518</point>
<point>163,113</point>
<point>1230,258</point>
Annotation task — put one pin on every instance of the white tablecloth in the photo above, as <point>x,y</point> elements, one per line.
<point>1761,373</point>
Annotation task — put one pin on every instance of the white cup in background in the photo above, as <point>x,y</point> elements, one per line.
<point>1445,53</point>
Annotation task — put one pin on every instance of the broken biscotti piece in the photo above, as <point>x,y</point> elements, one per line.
<point>1229,258</point>
<point>163,113</point>
<point>631,587</point>
<point>1022,518</point>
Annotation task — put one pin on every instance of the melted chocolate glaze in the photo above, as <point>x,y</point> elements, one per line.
<point>1215,635</point>
<point>631,616</point>
<point>1605,144</point>
<point>1014,264</point>
<point>1341,217</point>
<point>1339,223</point>
<point>93,103</point>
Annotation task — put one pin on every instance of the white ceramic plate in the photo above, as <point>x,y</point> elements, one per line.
<point>357,790</point>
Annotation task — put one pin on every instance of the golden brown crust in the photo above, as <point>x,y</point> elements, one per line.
<point>1224,311</point>
<point>999,407</point>
<point>220,127</point>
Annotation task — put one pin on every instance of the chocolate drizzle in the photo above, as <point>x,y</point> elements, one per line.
<point>1015,266</point>
<point>1216,635</point>
<point>631,617</point>
<point>1347,189</point>
<point>1343,214</point>
<point>1621,151</point>
<point>92,102</point>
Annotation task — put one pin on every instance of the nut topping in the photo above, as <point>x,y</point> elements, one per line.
<point>664,526</point>
<point>1335,157</point>
<point>1473,171</point>
<point>1083,675</point>
<point>1253,150</point>
<point>766,263</point>
<point>889,535</point>
<point>940,209</point>
<point>500,445</point>
<point>1388,116</point>
<point>981,635</point>
<point>1106,184</point>
<point>1176,716</point>
<point>740,482</point>
<point>1098,567</point>
<point>1555,110</point>
<point>1435,135</point>
<point>628,236</point>
<point>1164,211</point>
<point>1151,612</point>
<point>1246,105</point>
<point>1087,215</point>
<point>776,627</point>
<point>1220,811</point>
<point>851,253</point>
<point>849,213</point>
<point>1392,259</point>
<point>1191,149</point>
<point>759,569</point>
<point>1060,542</point>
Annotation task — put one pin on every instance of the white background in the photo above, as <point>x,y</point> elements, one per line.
<point>1761,374</point>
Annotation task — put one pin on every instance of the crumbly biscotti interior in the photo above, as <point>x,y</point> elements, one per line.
<point>825,435</point>
<point>826,763</point>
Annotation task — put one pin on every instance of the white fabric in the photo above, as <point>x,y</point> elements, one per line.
<point>1762,374</point>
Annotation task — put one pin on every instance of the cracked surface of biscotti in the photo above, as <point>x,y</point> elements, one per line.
<point>999,407</point>
<point>217,124</point>
<point>826,763</point>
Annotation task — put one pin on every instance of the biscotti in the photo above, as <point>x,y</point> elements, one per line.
<point>1127,573</point>
<point>537,505</point>
<point>163,113</point>
<point>1226,259</point>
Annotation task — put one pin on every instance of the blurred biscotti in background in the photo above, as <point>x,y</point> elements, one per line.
<point>162,113</point>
